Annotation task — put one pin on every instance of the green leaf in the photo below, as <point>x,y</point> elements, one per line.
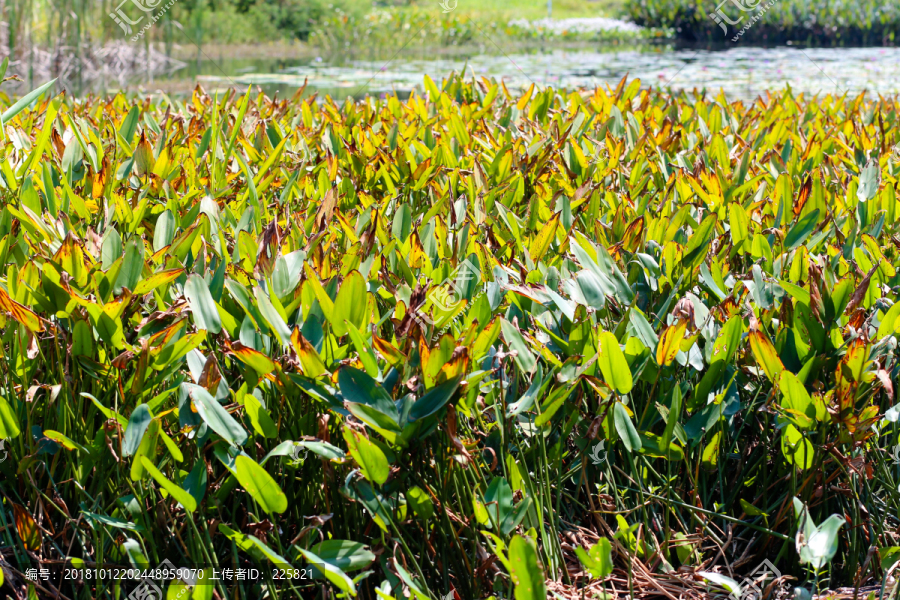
<point>203,588</point>
<point>24,101</point>
<point>651,445</point>
<point>129,124</point>
<point>796,292</point>
<point>739,222</point>
<point>673,417</point>
<point>816,545</point>
<point>722,581</point>
<point>111,522</point>
<point>799,232</point>
<point>643,329</point>
<point>419,500</point>
<point>407,579</point>
<point>402,224</point>
<point>350,304</point>
<point>798,450</point>
<point>366,356</point>
<point>183,498</point>
<point>9,422</point>
<point>259,417</point>
<point>625,428</point>
<point>178,590</point>
<point>526,572</point>
<point>216,416</point>
<point>695,250</point>
<point>147,449</point>
<point>598,560</point>
<point>277,559</point>
<point>588,290</point>
<point>751,510</point>
<point>797,400</point>
<point>323,449</point>
<point>332,573</point>
<point>137,425</point>
<point>164,232</point>
<point>890,322</point>
<point>368,456</point>
<point>434,400</point>
<point>613,365</point>
<point>273,318</point>
<point>202,305</point>
<point>259,484</point>
<point>346,555</point>
<point>135,554</point>
<point>889,556</point>
<point>868,182</point>
<point>356,386</point>
<point>524,358</point>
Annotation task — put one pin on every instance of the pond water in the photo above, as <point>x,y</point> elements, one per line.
<point>742,72</point>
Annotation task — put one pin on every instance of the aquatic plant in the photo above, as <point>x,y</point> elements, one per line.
<point>467,343</point>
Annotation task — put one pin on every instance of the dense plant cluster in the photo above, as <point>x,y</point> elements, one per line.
<point>473,343</point>
<point>821,22</point>
<point>428,28</point>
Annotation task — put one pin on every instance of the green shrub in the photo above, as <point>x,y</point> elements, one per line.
<point>831,22</point>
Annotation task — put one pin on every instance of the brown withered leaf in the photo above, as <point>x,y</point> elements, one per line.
<point>122,360</point>
<point>684,309</point>
<point>326,209</point>
<point>269,246</point>
<point>412,321</point>
<point>451,432</point>
<point>32,392</point>
<point>858,319</point>
<point>885,379</point>
<point>210,376</point>
<point>861,291</point>
<point>58,144</point>
<point>805,191</point>
<point>815,297</point>
<point>32,349</point>
<point>137,384</point>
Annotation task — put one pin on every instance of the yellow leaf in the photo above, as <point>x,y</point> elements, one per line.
<point>310,361</point>
<point>766,355</point>
<point>20,313</point>
<point>388,351</point>
<point>670,343</point>
<point>27,528</point>
<point>542,240</point>
<point>71,257</point>
<point>157,279</point>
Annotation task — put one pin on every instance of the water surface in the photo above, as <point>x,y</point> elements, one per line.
<point>742,72</point>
